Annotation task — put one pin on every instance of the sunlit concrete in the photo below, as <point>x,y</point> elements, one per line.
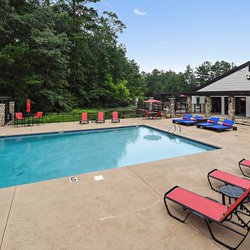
<point>125,210</point>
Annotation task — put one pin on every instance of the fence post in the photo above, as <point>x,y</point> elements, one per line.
<point>2,114</point>
<point>172,107</point>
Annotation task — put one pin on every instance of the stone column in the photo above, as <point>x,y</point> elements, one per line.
<point>136,102</point>
<point>189,105</point>
<point>2,114</point>
<point>150,104</point>
<point>172,107</point>
<point>208,105</point>
<point>231,107</point>
<point>12,111</point>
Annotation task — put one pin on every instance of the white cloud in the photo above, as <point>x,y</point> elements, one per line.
<point>109,6</point>
<point>139,13</point>
<point>163,45</point>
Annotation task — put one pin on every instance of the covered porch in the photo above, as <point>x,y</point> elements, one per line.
<point>229,103</point>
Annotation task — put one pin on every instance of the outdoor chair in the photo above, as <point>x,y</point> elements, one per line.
<point>19,119</point>
<point>115,117</point>
<point>100,117</point>
<point>186,117</point>
<point>38,118</point>
<point>226,124</point>
<point>244,164</point>
<point>191,121</point>
<point>147,114</point>
<point>227,178</point>
<point>211,212</point>
<point>84,118</point>
<point>158,115</point>
<point>210,122</point>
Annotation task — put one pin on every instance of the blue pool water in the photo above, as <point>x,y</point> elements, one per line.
<point>27,159</point>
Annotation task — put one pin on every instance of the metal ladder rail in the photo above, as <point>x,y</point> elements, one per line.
<point>175,127</point>
<point>179,127</point>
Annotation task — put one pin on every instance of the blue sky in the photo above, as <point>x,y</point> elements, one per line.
<point>170,34</point>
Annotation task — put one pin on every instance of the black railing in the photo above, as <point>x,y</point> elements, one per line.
<point>92,116</point>
<point>198,108</point>
<point>180,108</point>
<point>49,117</point>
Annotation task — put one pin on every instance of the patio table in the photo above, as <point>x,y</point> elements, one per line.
<point>201,120</point>
<point>29,116</point>
<point>230,192</point>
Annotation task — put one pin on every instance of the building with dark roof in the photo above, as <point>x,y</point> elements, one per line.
<point>233,85</point>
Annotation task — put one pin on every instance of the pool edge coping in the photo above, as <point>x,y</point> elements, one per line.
<point>110,128</point>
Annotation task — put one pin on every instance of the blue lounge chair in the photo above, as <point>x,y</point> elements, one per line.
<point>226,124</point>
<point>211,122</point>
<point>186,117</point>
<point>192,121</point>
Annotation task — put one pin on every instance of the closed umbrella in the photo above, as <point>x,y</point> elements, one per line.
<point>28,106</point>
<point>28,110</point>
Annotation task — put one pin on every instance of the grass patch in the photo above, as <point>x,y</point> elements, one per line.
<point>75,115</point>
<point>119,109</point>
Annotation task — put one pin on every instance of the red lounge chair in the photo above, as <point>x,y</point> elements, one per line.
<point>158,115</point>
<point>210,211</point>
<point>147,114</point>
<point>100,117</point>
<point>84,119</point>
<point>244,163</point>
<point>38,117</point>
<point>227,178</point>
<point>19,118</point>
<point>115,117</point>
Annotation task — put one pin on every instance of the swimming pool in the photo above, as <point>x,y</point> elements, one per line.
<point>33,158</point>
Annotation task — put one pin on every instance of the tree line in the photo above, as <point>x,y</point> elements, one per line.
<point>63,54</point>
<point>159,81</point>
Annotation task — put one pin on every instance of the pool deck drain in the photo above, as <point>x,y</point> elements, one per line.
<point>125,211</point>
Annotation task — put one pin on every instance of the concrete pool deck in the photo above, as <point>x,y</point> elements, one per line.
<point>125,210</point>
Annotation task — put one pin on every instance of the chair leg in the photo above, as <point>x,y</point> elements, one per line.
<point>241,169</point>
<point>209,181</point>
<point>173,216</point>
<point>223,243</point>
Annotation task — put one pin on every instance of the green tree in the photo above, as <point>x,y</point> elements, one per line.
<point>221,67</point>
<point>208,71</point>
<point>63,54</point>
<point>203,73</point>
<point>190,79</point>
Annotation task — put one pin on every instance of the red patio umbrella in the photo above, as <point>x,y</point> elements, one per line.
<point>28,106</point>
<point>152,101</point>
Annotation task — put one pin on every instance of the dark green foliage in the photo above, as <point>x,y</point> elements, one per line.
<point>164,81</point>
<point>62,54</point>
<point>169,81</point>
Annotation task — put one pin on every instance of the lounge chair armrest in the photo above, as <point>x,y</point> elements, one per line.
<point>211,199</point>
<point>209,173</point>
<point>169,191</point>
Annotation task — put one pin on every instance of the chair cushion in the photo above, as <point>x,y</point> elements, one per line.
<point>230,179</point>
<point>245,163</point>
<point>200,204</point>
<point>210,121</point>
<point>226,124</point>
